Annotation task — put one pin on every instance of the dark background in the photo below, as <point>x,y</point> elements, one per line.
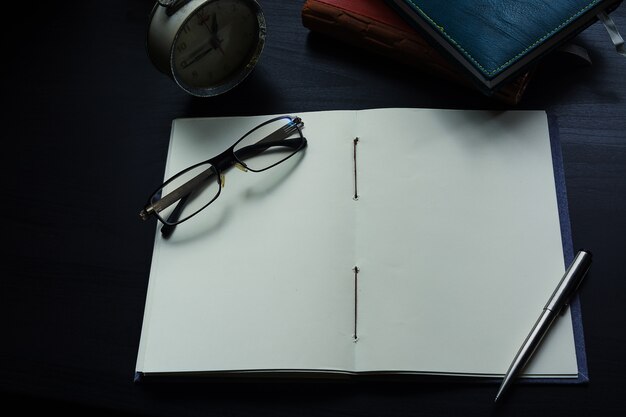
<point>85,129</point>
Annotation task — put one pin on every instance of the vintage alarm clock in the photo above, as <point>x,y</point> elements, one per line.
<point>206,46</point>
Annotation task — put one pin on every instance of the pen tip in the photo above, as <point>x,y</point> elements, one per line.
<point>500,392</point>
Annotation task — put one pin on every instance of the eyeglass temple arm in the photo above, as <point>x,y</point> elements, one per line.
<point>181,193</point>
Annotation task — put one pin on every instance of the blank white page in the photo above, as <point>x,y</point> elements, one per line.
<point>458,241</point>
<point>251,282</point>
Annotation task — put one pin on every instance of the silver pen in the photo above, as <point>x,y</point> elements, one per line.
<point>557,302</point>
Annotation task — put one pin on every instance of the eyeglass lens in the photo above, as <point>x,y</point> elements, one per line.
<point>269,144</point>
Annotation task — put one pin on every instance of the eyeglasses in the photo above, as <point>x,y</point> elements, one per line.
<point>195,188</point>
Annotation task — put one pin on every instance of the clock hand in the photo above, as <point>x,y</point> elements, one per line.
<point>196,58</point>
<point>214,26</point>
<point>215,41</point>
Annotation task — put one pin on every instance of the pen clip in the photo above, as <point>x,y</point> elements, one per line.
<point>572,294</point>
<point>567,288</point>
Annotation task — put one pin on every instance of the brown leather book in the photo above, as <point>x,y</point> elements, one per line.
<point>374,26</point>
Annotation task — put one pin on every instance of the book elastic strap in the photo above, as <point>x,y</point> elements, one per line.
<point>575,53</point>
<point>616,38</point>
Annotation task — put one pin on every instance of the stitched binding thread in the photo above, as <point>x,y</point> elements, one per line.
<point>356,193</point>
<point>356,270</point>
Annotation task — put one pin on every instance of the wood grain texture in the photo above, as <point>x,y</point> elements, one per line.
<point>85,134</point>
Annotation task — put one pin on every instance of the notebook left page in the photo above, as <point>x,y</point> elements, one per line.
<point>246,285</point>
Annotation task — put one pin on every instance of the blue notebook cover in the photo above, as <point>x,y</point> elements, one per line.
<point>495,40</point>
<point>568,253</point>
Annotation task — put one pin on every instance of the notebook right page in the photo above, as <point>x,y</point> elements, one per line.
<point>458,242</point>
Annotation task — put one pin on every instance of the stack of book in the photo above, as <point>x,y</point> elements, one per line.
<point>493,49</point>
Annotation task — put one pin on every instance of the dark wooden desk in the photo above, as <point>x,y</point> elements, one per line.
<point>86,122</point>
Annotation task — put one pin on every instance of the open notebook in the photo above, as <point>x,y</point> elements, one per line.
<point>439,267</point>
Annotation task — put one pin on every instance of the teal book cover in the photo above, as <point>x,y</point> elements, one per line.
<point>495,40</point>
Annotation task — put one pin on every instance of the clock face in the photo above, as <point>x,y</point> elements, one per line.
<point>216,43</point>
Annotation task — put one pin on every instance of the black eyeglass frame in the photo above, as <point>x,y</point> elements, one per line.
<point>218,164</point>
